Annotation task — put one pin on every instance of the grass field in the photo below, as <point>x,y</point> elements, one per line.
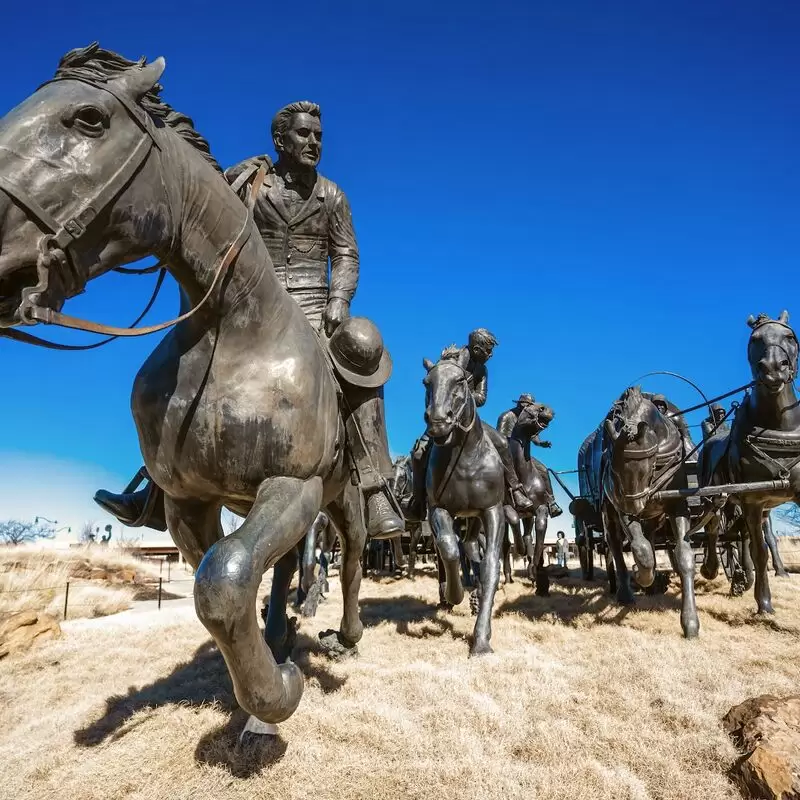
<point>582,699</point>
<point>101,580</point>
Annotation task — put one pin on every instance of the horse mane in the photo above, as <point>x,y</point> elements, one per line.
<point>93,63</point>
<point>631,402</point>
<point>450,353</point>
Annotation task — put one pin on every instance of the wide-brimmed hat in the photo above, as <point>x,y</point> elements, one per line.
<point>525,400</point>
<point>357,351</point>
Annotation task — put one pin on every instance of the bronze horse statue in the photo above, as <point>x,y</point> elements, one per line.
<point>402,488</point>
<point>763,443</point>
<point>643,450</point>
<point>237,406</point>
<point>465,478</point>
<point>533,418</point>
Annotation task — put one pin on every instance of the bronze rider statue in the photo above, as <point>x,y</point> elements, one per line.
<point>480,346</point>
<point>305,222</point>
<point>505,425</point>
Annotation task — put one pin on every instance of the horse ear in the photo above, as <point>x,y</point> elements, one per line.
<point>611,431</point>
<point>428,364</point>
<point>137,81</point>
<point>784,317</point>
<point>751,321</point>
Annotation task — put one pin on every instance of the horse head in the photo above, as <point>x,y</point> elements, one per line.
<point>68,201</point>
<point>534,418</point>
<point>772,352</point>
<point>449,405</point>
<point>632,439</point>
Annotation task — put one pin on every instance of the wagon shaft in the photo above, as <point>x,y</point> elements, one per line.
<point>726,488</point>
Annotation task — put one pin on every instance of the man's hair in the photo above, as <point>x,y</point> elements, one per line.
<point>280,122</point>
<point>482,337</point>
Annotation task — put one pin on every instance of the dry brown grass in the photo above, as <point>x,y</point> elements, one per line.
<point>581,700</point>
<point>33,579</point>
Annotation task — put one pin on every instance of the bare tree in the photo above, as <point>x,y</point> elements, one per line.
<point>87,532</point>
<point>14,531</point>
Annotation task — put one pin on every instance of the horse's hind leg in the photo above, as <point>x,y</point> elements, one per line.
<point>710,568</point>
<point>493,524</point>
<point>277,628</point>
<point>346,515</point>
<point>772,544</point>
<point>447,547</point>
<point>508,571</point>
<point>684,557</point>
<point>226,586</point>
<point>472,552</point>
<point>194,526</point>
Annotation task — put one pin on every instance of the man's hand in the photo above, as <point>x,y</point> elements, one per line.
<point>544,443</point>
<point>336,312</point>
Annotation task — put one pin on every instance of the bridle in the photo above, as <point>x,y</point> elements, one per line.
<point>467,397</point>
<point>792,360</point>
<point>59,237</point>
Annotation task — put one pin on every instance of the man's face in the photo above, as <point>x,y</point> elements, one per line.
<point>661,406</point>
<point>301,143</point>
<point>480,352</point>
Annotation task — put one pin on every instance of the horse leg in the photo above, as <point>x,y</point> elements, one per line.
<point>472,553</point>
<point>754,520</point>
<point>493,526</point>
<point>194,526</point>
<point>684,558</point>
<point>622,578</point>
<point>416,532</point>
<point>397,550</point>
<point>441,577</point>
<point>710,568</point>
<point>508,573</point>
<point>542,572</point>
<point>278,630</point>
<point>772,544</point>
<point>346,515</point>
<point>447,546</point>
<point>529,548</point>
<point>226,586</point>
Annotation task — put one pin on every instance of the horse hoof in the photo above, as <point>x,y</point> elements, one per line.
<point>781,573</point>
<point>765,608</point>
<point>708,573</point>
<point>480,649</point>
<point>443,606</point>
<point>691,630</point>
<point>257,732</point>
<point>335,646</point>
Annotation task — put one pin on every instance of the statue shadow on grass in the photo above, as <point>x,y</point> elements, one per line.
<point>572,598</point>
<point>201,681</point>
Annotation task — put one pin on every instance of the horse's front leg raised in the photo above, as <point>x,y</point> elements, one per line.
<point>754,520</point>
<point>226,585</point>
<point>684,560</point>
<point>447,547</point>
<point>493,526</point>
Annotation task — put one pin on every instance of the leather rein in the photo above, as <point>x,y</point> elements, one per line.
<point>59,237</point>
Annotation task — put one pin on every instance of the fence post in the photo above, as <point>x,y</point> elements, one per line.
<point>159,594</point>
<point>66,601</point>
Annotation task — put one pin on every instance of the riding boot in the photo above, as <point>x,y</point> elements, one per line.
<point>369,448</point>
<point>416,510</point>
<point>142,508</point>
<point>519,497</point>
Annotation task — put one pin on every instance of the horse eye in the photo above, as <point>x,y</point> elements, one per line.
<point>90,120</point>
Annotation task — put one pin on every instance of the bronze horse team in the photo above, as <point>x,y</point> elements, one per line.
<point>266,396</point>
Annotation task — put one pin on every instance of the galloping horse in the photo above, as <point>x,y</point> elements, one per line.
<point>401,485</point>
<point>465,478</point>
<point>532,419</point>
<point>643,450</point>
<point>763,443</point>
<point>237,405</point>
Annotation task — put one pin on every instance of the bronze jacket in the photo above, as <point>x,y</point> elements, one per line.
<point>301,246</point>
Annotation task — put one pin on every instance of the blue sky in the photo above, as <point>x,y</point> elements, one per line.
<point>611,188</point>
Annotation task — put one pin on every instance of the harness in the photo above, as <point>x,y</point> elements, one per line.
<point>59,237</point>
